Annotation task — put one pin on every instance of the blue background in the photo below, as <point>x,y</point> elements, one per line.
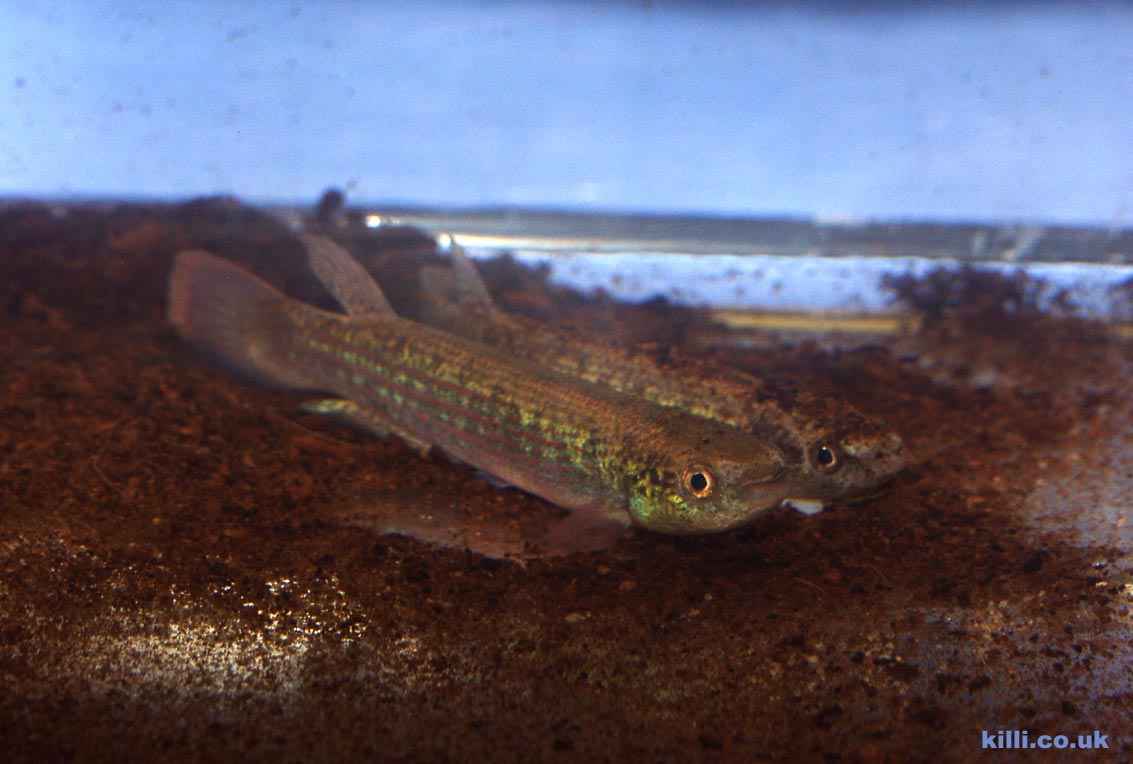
<point>972,111</point>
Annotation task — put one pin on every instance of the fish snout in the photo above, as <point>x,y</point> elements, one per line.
<point>888,446</point>
<point>762,482</point>
<point>893,452</point>
<point>768,465</point>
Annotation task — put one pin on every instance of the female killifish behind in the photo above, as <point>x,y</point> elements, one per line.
<point>604,454</point>
<point>832,449</point>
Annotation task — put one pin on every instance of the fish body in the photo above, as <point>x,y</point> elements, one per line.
<point>832,449</point>
<point>586,447</point>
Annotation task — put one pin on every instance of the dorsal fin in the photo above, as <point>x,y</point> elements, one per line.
<point>439,306</point>
<point>345,278</point>
<point>470,290</point>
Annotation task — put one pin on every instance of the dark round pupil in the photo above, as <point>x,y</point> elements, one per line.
<point>825,456</point>
<point>697,481</point>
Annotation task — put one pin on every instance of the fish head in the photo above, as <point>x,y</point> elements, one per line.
<point>846,461</point>
<point>714,479</point>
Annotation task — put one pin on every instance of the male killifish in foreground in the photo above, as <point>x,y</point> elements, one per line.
<point>606,455</point>
<point>832,449</point>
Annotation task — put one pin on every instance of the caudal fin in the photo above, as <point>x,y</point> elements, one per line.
<point>227,312</point>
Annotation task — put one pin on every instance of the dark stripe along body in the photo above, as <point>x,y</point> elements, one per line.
<point>579,445</point>
<point>832,449</point>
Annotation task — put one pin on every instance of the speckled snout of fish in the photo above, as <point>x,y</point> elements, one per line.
<point>881,456</point>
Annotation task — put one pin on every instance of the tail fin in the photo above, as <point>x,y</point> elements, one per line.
<point>229,313</point>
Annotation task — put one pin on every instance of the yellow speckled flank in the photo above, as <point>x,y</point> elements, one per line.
<point>831,449</point>
<point>580,445</point>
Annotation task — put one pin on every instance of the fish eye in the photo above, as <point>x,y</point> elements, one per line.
<point>826,458</point>
<point>698,482</point>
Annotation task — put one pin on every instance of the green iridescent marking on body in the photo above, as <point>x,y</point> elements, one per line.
<point>832,449</point>
<point>580,445</point>
<point>479,397</point>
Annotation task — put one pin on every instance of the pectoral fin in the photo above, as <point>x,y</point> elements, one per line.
<point>588,529</point>
<point>363,418</point>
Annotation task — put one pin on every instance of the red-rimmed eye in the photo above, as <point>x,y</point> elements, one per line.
<point>698,482</point>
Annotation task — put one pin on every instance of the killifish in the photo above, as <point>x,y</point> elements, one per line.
<point>609,456</point>
<point>832,449</point>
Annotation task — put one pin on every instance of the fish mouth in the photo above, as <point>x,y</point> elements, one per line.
<point>774,469</point>
<point>775,485</point>
<point>753,480</point>
<point>759,495</point>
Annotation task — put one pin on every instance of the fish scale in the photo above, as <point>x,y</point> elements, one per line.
<point>432,389</point>
<point>605,454</point>
<point>833,450</point>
